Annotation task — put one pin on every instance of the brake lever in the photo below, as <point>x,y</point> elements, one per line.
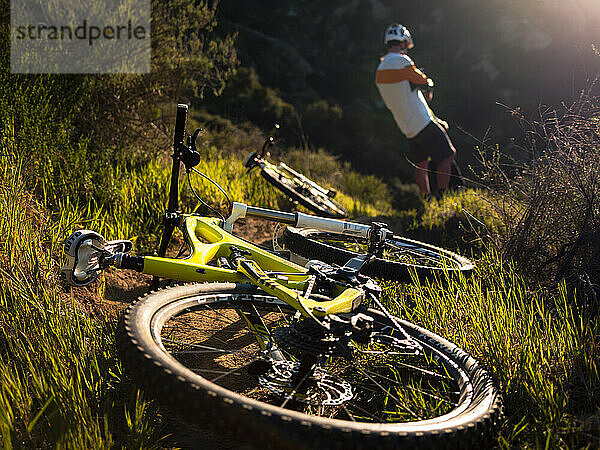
<point>268,143</point>
<point>194,137</point>
<point>189,155</point>
<point>270,140</point>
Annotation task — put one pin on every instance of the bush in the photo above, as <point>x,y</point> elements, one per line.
<point>548,195</point>
<point>406,195</point>
<point>245,98</point>
<point>322,124</point>
<point>543,356</point>
<point>319,164</point>
<point>326,169</point>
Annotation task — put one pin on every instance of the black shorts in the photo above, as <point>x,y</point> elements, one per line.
<point>431,142</point>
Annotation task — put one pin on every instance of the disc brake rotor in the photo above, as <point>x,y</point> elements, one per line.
<point>320,388</point>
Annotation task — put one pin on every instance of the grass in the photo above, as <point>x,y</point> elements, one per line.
<point>62,385</point>
<point>542,351</point>
<point>133,201</point>
<point>61,380</point>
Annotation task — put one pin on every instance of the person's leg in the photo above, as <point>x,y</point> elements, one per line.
<point>444,168</point>
<point>442,151</point>
<point>417,153</point>
<point>422,178</point>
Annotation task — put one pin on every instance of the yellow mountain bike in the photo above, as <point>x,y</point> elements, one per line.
<point>285,355</point>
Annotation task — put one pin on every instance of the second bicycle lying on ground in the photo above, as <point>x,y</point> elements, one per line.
<point>295,185</point>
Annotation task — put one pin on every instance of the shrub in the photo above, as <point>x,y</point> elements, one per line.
<point>321,122</point>
<point>548,195</point>
<point>245,98</point>
<point>406,195</point>
<point>318,164</point>
<point>365,192</point>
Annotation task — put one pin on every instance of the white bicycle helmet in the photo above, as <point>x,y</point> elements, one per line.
<point>397,32</point>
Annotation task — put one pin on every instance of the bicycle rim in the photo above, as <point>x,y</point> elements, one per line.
<point>315,201</point>
<point>190,346</point>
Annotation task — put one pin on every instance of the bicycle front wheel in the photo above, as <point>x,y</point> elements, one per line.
<point>316,201</point>
<point>191,347</point>
<point>400,256</point>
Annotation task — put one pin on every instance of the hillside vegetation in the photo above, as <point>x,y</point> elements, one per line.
<point>481,55</point>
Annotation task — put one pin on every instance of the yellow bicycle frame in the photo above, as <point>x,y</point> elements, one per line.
<point>207,242</point>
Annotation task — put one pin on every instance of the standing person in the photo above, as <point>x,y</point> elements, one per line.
<point>399,82</point>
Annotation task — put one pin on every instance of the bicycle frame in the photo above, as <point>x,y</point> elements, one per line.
<point>297,219</point>
<point>295,185</point>
<point>270,272</point>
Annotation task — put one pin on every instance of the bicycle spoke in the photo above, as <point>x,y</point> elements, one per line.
<point>350,416</point>
<point>215,371</point>
<point>387,384</point>
<point>295,390</point>
<point>364,411</point>
<point>206,348</point>
<point>392,396</point>
<point>232,371</point>
<point>406,386</point>
<point>227,319</point>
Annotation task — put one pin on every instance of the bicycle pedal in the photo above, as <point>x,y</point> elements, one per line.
<point>85,250</point>
<point>81,263</point>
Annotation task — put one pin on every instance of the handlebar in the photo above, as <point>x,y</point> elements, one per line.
<point>180,120</point>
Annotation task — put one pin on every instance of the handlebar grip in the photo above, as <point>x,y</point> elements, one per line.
<point>182,110</point>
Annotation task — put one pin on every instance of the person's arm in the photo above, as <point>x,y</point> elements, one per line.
<point>410,73</point>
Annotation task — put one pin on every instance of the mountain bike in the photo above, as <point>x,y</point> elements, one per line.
<point>295,185</point>
<point>282,354</point>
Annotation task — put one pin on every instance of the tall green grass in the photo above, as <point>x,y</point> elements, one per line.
<point>61,383</point>
<point>542,351</point>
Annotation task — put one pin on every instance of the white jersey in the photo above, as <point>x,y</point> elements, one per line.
<point>410,110</point>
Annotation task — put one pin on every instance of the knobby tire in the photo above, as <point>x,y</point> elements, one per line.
<point>167,335</point>
<point>402,257</point>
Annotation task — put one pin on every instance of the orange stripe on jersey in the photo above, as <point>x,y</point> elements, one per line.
<point>410,73</point>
